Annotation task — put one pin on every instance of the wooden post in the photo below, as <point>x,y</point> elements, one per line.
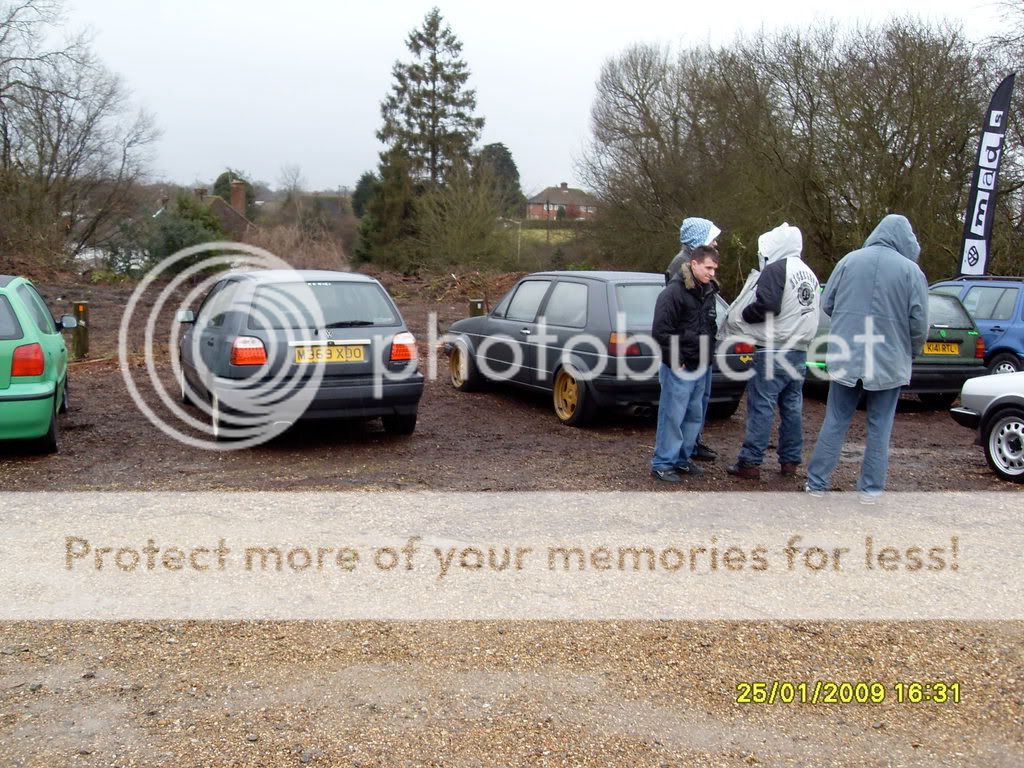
<point>476,307</point>
<point>80,334</point>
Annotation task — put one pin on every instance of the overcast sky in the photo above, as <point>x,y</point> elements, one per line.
<point>261,84</point>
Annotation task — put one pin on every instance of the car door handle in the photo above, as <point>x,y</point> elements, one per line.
<point>209,342</point>
<point>998,328</point>
<point>525,331</point>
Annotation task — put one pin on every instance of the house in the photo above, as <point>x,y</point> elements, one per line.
<point>231,217</point>
<point>562,202</point>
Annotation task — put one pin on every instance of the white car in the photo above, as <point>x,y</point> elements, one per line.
<point>994,405</point>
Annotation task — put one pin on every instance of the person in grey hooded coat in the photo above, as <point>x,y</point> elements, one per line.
<point>877,298</point>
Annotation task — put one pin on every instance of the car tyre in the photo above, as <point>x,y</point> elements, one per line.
<point>400,424</point>
<point>185,399</point>
<point>462,370</point>
<point>722,411</point>
<point>216,422</point>
<point>938,400</point>
<point>1005,362</point>
<point>1004,444</point>
<point>572,401</point>
<point>50,442</point>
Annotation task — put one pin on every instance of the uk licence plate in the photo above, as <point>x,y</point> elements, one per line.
<point>941,348</point>
<point>351,353</point>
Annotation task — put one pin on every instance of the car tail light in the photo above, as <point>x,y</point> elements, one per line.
<point>617,345</point>
<point>403,347</point>
<point>248,350</point>
<point>979,348</point>
<point>27,361</point>
<point>742,348</point>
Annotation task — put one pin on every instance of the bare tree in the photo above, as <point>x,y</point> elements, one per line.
<point>457,223</point>
<point>291,179</point>
<point>827,129</point>
<point>71,150</point>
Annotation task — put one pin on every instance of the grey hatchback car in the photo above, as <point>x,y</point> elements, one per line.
<point>587,361</point>
<point>275,347</point>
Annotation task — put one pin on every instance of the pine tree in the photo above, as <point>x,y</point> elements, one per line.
<point>430,111</point>
<point>498,159</point>
<point>388,217</point>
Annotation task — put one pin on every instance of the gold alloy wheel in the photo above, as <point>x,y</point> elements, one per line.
<point>455,368</point>
<point>567,395</point>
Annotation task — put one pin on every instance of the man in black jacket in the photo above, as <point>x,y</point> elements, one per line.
<point>695,232</point>
<point>684,328</point>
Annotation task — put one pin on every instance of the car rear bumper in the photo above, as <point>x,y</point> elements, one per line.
<point>25,411</point>
<point>357,397</point>
<point>612,392</point>
<point>941,378</point>
<point>360,399</point>
<point>924,379</point>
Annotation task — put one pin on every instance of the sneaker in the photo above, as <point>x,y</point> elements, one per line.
<point>788,468</point>
<point>690,469</point>
<point>811,492</point>
<point>745,471</point>
<point>703,452</point>
<point>667,475</point>
<point>869,499</point>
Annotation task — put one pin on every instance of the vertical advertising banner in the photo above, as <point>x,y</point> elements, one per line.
<point>981,202</point>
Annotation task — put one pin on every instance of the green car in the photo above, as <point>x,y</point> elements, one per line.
<point>953,353</point>
<point>33,365</point>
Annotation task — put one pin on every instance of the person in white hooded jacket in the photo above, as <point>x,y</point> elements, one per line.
<point>781,320</point>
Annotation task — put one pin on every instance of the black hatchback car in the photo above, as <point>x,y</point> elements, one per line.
<point>589,360</point>
<point>277,346</point>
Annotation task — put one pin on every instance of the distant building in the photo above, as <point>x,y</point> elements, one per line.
<point>562,202</point>
<point>232,217</point>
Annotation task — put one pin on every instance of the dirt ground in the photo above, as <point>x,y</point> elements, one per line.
<point>476,693</point>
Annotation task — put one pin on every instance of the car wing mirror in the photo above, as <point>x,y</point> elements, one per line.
<point>67,322</point>
<point>185,316</point>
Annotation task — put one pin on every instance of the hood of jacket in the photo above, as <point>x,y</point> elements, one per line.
<point>894,231</point>
<point>779,243</point>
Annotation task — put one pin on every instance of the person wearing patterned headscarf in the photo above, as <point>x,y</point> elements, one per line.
<point>694,233</point>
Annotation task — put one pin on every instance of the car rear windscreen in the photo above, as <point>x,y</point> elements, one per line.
<point>10,328</point>
<point>637,302</point>
<point>283,306</point>
<point>948,312</point>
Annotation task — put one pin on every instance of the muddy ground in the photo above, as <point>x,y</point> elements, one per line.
<point>476,693</point>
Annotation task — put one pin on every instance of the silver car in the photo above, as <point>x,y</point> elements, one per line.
<point>994,405</point>
<point>278,346</point>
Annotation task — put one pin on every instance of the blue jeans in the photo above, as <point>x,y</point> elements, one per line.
<point>842,402</point>
<point>707,396</point>
<point>772,384</point>
<point>707,399</point>
<point>680,416</point>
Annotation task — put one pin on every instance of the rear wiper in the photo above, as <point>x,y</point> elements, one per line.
<point>348,323</point>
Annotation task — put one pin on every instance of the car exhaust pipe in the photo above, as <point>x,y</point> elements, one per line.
<point>643,411</point>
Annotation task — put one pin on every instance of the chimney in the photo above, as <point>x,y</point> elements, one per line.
<point>200,192</point>
<point>564,185</point>
<point>238,196</point>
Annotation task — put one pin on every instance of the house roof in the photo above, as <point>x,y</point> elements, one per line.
<point>564,195</point>
<point>230,220</point>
